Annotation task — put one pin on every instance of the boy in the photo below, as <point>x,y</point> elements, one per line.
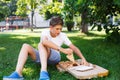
<point>48,51</point>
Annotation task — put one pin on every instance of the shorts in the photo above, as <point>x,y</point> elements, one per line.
<point>54,57</point>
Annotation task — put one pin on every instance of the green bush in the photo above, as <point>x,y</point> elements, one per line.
<point>113,37</point>
<point>69,25</point>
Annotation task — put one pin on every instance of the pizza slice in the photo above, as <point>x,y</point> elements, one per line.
<point>71,57</point>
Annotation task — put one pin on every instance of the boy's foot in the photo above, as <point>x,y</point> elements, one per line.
<point>44,75</point>
<point>13,76</point>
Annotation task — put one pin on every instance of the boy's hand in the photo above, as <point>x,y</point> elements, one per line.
<point>84,62</point>
<point>67,51</point>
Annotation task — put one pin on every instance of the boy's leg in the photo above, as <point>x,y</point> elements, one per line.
<point>24,52</point>
<point>44,54</point>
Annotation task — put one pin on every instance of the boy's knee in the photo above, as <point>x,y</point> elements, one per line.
<point>25,45</point>
<point>40,45</point>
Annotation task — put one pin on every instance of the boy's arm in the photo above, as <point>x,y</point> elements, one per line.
<point>78,53</point>
<point>50,44</point>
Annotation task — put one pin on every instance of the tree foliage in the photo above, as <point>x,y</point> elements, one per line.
<point>85,10</point>
<point>12,7</point>
<point>7,8</point>
<point>69,9</point>
<point>4,10</point>
<point>51,9</point>
<point>21,8</point>
<point>74,8</point>
<point>26,6</point>
<point>100,18</point>
<point>97,13</point>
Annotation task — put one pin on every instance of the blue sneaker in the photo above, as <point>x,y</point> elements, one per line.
<point>44,76</point>
<point>13,76</point>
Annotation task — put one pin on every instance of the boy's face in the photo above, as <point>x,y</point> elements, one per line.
<point>55,30</point>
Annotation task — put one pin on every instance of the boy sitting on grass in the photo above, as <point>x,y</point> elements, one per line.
<point>48,52</point>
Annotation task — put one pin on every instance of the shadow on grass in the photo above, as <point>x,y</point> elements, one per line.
<point>96,51</point>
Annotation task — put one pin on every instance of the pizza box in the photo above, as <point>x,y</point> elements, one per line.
<point>81,71</point>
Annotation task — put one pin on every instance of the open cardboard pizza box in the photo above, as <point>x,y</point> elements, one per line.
<point>81,71</point>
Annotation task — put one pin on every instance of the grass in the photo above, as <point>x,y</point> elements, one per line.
<point>92,45</point>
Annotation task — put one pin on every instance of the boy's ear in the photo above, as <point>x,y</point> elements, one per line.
<point>50,26</point>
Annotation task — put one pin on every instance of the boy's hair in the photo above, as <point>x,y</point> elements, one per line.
<point>56,20</point>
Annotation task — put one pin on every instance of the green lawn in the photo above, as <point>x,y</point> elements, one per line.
<point>93,47</point>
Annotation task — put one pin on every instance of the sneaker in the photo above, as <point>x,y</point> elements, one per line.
<point>44,76</point>
<point>13,76</point>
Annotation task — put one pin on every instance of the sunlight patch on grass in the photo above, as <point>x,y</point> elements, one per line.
<point>90,38</point>
<point>28,71</point>
<point>27,34</point>
<point>2,48</point>
<point>34,43</point>
<point>98,32</point>
<point>23,33</point>
<point>72,34</point>
<point>19,37</point>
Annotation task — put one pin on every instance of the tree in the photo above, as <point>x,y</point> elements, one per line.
<point>21,8</point>
<point>83,8</point>
<point>12,7</point>
<point>7,8</point>
<point>96,13</point>
<point>76,7</point>
<point>68,11</point>
<point>4,10</point>
<point>27,6</point>
<point>100,18</point>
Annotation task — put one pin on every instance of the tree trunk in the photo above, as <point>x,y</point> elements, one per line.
<point>32,14</point>
<point>84,28</point>
<point>84,25</point>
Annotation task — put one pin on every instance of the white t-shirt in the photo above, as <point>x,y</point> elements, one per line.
<point>58,40</point>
